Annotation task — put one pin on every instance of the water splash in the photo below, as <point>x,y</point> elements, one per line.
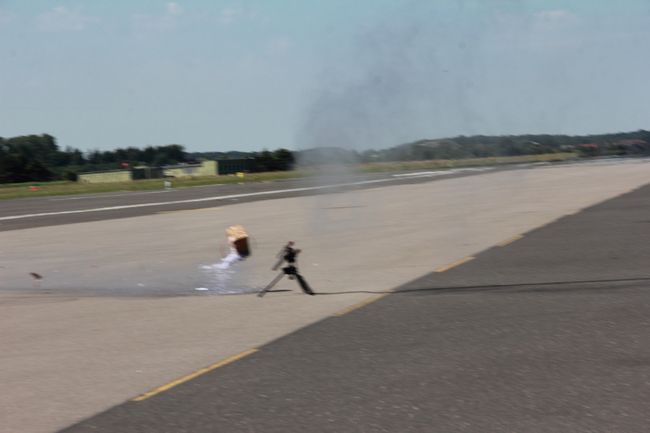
<point>222,280</point>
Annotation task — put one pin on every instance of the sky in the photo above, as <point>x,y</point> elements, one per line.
<point>264,74</point>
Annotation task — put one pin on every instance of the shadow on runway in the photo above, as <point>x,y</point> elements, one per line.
<point>524,286</point>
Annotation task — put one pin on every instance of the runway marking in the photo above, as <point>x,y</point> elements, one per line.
<point>509,241</point>
<point>197,373</point>
<point>443,172</point>
<point>163,212</point>
<point>197,200</point>
<point>424,173</point>
<point>454,264</point>
<point>359,305</point>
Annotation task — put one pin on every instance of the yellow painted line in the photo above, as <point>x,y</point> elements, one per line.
<point>359,305</point>
<point>454,264</point>
<point>509,241</point>
<point>191,376</point>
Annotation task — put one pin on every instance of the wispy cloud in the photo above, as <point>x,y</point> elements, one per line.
<point>229,15</point>
<point>556,29</point>
<point>173,9</point>
<point>5,17</point>
<point>164,21</point>
<point>557,15</point>
<point>278,45</point>
<point>548,30</point>
<point>63,19</point>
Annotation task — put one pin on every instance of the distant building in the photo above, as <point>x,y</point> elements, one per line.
<point>105,176</point>
<point>205,168</point>
<point>633,143</point>
<point>232,166</point>
<point>210,168</point>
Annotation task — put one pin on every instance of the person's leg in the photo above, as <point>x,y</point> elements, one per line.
<point>270,285</point>
<point>303,285</point>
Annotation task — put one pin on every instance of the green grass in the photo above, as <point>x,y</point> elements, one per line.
<point>22,190</point>
<point>471,162</point>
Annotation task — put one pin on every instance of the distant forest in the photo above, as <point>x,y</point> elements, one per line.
<point>33,158</point>
<point>38,157</point>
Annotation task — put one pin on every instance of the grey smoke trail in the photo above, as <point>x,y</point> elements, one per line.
<point>424,72</point>
<point>493,67</point>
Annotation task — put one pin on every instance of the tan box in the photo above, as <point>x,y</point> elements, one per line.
<point>239,239</point>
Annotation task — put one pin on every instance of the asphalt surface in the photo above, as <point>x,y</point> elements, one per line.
<point>548,333</point>
<point>57,210</point>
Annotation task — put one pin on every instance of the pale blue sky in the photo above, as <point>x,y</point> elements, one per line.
<point>246,75</point>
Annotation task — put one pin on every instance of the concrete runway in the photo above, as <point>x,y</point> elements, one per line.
<point>116,314</point>
<point>520,350</point>
<point>57,210</point>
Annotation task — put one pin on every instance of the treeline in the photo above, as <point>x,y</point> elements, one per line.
<point>480,146</point>
<point>266,160</point>
<point>39,158</point>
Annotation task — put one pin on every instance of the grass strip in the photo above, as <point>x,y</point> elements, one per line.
<point>57,188</point>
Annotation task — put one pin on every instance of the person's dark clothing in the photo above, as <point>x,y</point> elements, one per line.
<point>290,254</point>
